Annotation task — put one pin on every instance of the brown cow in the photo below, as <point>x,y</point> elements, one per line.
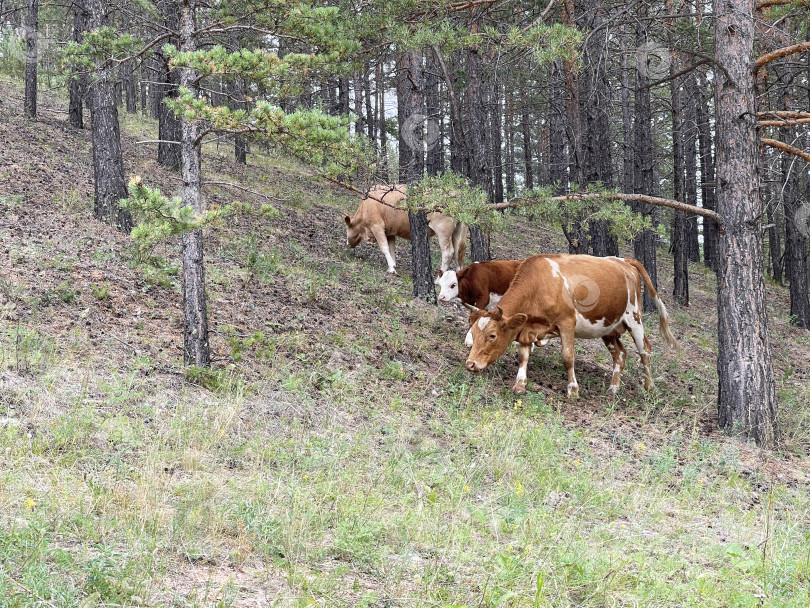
<point>572,296</point>
<point>377,221</point>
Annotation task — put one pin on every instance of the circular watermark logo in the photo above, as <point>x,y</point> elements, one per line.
<point>581,293</point>
<point>653,60</point>
<point>420,132</point>
<point>802,219</point>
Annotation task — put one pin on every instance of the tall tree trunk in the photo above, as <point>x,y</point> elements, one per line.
<point>496,154</point>
<point>747,404</point>
<point>595,103</point>
<point>690,133</point>
<point>525,128</point>
<point>196,347</point>
<point>379,79</point>
<point>628,181</point>
<point>31,36</point>
<point>433,109</point>
<point>77,85</point>
<point>169,127</point>
<point>797,223</point>
<point>707,172</point>
<point>645,244</point>
<point>410,96</point>
<point>108,162</point>
<point>558,172</point>
<point>509,129</point>
<point>680,246</point>
<point>477,147</point>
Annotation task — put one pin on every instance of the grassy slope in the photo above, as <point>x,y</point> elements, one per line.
<point>344,457</point>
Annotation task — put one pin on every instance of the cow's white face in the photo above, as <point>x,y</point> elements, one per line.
<point>448,284</point>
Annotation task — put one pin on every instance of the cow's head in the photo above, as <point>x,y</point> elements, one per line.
<point>491,334</point>
<point>448,285</point>
<point>354,232</point>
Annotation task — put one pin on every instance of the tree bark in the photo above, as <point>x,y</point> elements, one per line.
<point>77,85</point>
<point>644,245</point>
<point>509,130</point>
<point>410,97</point>
<point>747,404</point>
<point>707,172</point>
<point>525,128</point>
<point>196,347</point>
<point>169,127</point>
<point>433,109</point>
<point>680,246</point>
<point>108,162</point>
<point>690,131</point>
<point>31,36</point>
<point>477,147</point>
<point>796,235</point>
<point>496,153</point>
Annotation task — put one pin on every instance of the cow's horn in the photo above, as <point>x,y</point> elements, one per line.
<point>470,306</point>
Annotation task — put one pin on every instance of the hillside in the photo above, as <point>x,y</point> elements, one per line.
<point>339,454</point>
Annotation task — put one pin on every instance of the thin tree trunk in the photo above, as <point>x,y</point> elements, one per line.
<point>645,244</point>
<point>196,347</point>
<point>31,36</point>
<point>707,173</point>
<point>476,146</point>
<point>747,404</point>
<point>680,246</point>
<point>108,162</point>
<point>525,128</point>
<point>496,154</point>
<point>558,172</point>
<point>410,97</point>
<point>433,109</point>
<point>690,133</point>
<point>77,85</point>
<point>509,128</point>
<point>169,127</point>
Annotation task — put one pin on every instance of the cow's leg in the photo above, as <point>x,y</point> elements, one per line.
<point>382,240</point>
<point>567,339</point>
<point>392,248</point>
<point>524,350</point>
<point>442,227</point>
<point>459,243</point>
<point>644,350</point>
<point>614,345</point>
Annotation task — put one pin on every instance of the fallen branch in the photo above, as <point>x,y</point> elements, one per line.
<point>775,143</point>
<point>769,3</point>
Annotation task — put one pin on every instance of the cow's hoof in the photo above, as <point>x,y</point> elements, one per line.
<point>393,271</point>
<point>573,391</point>
<point>520,387</point>
<point>614,389</point>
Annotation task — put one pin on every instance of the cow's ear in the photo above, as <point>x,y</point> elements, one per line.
<point>517,321</point>
<point>347,219</point>
<point>460,273</point>
<point>439,273</point>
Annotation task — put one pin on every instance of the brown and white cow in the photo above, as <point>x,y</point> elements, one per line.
<point>481,284</point>
<point>374,220</point>
<point>572,296</point>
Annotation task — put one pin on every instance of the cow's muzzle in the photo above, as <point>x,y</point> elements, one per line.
<point>474,366</point>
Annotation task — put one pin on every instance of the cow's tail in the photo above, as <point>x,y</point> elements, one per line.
<point>663,316</point>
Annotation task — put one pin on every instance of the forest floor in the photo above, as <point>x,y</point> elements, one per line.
<point>338,454</point>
